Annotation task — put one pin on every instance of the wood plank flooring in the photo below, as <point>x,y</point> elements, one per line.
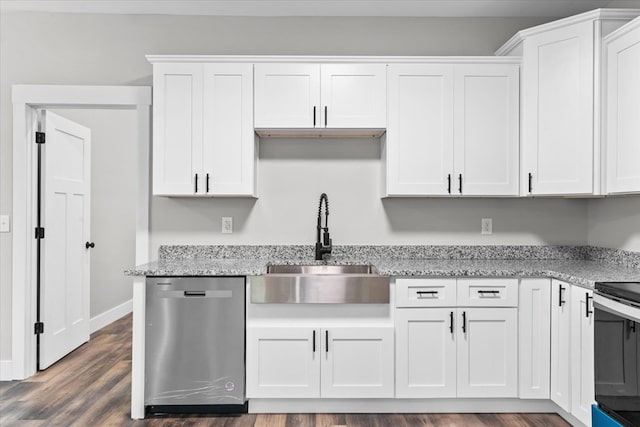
<point>92,387</point>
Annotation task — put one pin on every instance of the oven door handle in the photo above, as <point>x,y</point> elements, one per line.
<point>601,302</point>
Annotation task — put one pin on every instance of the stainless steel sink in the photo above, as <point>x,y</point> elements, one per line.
<point>320,284</point>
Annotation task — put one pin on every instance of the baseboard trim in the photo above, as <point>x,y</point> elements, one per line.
<point>103,319</point>
<point>6,371</point>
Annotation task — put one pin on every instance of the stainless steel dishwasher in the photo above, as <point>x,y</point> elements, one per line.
<point>194,354</point>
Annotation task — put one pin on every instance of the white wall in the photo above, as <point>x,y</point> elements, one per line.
<point>614,223</point>
<point>113,192</point>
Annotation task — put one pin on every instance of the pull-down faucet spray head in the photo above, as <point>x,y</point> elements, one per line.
<point>323,239</point>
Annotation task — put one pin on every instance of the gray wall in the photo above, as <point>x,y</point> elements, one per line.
<point>109,49</point>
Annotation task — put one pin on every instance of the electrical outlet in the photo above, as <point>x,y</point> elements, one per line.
<point>487,226</point>
<point>227,224</point>
<point>5,224</point>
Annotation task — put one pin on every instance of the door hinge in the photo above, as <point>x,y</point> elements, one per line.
<point>40,137</point>
<point>39,232</point>
<point>38,328</point>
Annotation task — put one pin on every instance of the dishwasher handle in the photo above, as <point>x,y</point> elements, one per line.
<point>227,293</point>
<point>195,293</point>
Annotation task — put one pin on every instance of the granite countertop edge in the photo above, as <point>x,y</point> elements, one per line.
<point>579,272</point>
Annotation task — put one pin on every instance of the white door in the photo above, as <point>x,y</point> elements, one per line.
<point>357,362</point>
<point>228,163</point>
<point>283,362</point>
<point>66,220</point>
<point>623,110</point>
<point>353,96</point>
<point>486,129</point>
<point>287,95</point>
<point>487,352</point>
<point>558,110</point>
<point>425,352</point>
<point>582,375</point>
<point>419,140</point>
<point>560,344</point>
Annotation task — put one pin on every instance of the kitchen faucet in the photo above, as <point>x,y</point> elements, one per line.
<point>323,246</point>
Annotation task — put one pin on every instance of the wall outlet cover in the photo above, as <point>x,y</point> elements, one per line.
<point>5,224</point>
<point>227,224</point>
<point>487,226</point>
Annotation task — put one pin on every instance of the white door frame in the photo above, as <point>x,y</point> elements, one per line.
<point>26,99</point>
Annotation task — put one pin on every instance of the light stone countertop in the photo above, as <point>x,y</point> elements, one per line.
<point>579,272</point>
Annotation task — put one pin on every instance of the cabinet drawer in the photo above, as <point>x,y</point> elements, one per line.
<point>487,292</point>
<point>425,292</point>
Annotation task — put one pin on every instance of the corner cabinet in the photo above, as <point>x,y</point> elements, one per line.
<point>562,110</point>
<point>622,125</point>
<point>203,138</point>
<point>310,362</point>
<point>453,129</point>
<point>332,96</point>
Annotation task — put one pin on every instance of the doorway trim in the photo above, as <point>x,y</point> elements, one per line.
<point>26,99</point>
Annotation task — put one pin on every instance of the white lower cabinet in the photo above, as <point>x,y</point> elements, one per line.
<point>582,369</point>
<point>307,362</point>
<point>560,345</point>
<point>455,351</point>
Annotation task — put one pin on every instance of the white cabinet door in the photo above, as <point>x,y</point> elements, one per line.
<point>419,139</point>
<point>560,344</point>
<point>357,362</point>
<point>177,127</point>
<point>558,110</point>
<point>287,96</point>
<point>534,327</point>
<point>486,129</point>
<point>582,375</point>
<point>229,139</point>
<point>622,55</point>
<point>353,96</point>
<point>283,362</point>
<point>487,352</point>
<point>425,353</point>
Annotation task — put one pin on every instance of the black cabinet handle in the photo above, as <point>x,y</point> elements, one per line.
<point>560,301</point>
<point>631,326</point>
<point>587,312</point>
<point>207,183</point>
<point>326,341</point>
<point>460,183</point>
<point>314,340</point>
<point>325,116</point>
<point>530,182</point>
<point>314,116</point>
<point>482,293</point>
<point>89,245</point>
<point>420,293</point>
<point>451,322</point>
<point>196,183</point>
<point>449,183</point>
<point>464,322</point>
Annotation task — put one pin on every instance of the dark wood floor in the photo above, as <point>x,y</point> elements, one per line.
<point>92,387</point>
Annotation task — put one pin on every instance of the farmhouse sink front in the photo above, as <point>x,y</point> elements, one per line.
<point>320,284</point>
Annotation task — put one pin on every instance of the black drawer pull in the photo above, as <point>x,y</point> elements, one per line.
<point>587,311</point>
<point>451,322</point>
<point>195,293</point>
<point>449,183</point>
<point>314,340</point>
<point>464,322</point>
<point>207,182</point>
<point>489,292</point>
<point>326,340</point>
<point>314,116</point>
<point>196,182</point>
<point>460,183</point>
<point>420,293</point>
<point>560,301</point>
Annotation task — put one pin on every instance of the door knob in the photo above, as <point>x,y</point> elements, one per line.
<point>89,245</point>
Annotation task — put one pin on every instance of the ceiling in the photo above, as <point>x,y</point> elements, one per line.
<point>435,8</point>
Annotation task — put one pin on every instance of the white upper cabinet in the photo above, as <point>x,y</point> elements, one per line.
<point>622,124</point>
<point>303,96</point>
<point>203,139</point>
<point>486,133</point>
<point>419,140</point>
<point>229,154</point>
<point>562,109</point>
<point>453,130</point>
<point>177,127</point>
<point>558,110</point>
